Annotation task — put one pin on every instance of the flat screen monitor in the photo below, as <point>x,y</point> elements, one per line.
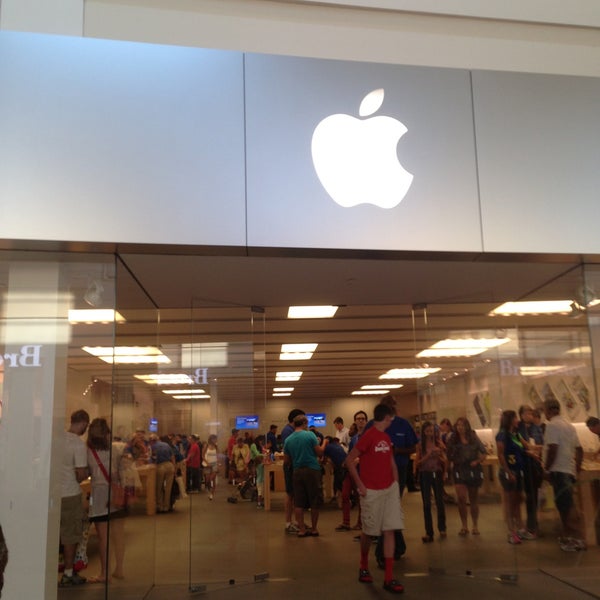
<point>153,426</point>
<point>246,422</point>
<point>316,420</point>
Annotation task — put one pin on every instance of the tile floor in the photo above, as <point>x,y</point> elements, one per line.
<point>218,550</point>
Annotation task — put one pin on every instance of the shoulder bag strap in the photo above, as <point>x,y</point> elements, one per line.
<point>101,465</point>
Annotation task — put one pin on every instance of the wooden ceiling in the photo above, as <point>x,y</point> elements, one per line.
<point>389,311</point>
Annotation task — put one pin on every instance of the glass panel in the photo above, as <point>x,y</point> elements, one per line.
<point>542,357</point>
<point>135,414</point>
<point>225,360</point>
<point>45,377</point>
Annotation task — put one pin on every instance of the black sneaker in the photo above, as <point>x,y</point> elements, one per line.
<point>393,586</point>
<point>364,576</point>
<point>75,579</point>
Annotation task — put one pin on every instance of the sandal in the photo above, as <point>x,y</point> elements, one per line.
<point>463,532</point>
<point>303,534</point>
<point>343,527</point>
<point>475,531</point>
<point>314,533</point>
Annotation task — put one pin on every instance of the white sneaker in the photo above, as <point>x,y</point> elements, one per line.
<point>524,534</point>
<point>291,528</point>
<point>569,546</point>
<point>578,543</point>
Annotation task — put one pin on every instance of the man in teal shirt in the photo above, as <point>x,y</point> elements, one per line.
<point>302,450</point>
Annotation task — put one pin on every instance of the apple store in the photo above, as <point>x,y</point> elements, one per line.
<point>166,205</point>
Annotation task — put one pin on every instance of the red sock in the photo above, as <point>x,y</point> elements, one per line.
<point>364,560</point>
<point>389,569</point>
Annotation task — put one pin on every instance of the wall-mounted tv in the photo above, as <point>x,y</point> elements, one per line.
<point>246,422</point>
<point>153,426</point>
<point>316,420</point>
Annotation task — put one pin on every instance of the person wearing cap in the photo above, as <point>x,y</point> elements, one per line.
<point>562,462</point>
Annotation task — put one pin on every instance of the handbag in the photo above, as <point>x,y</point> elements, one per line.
<point>118,497</point>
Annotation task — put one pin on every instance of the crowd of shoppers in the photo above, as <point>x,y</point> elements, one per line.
<point>371,461</point>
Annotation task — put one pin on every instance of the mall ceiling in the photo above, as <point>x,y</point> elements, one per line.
<point>390,309</point>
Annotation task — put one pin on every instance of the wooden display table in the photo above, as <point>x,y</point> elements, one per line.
<point>147,475</point>
<point>588,499</point>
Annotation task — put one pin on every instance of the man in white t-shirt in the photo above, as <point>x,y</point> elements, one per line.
<point>342,433</point>
<point>563,457</point>
<point>74,471</point>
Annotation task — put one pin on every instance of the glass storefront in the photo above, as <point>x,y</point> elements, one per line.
<point>200,370</point>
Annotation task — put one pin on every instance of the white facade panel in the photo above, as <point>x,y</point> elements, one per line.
<point>538,147</point>
<point>110,141</point>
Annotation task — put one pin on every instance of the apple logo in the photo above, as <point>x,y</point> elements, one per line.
<point>356,159</point>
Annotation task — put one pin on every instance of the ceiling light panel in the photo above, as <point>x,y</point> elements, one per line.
<point>311,312</point>
<point>297,351</point>
<point>128,354</point>
<point>417,373</point>
<point>288,375</point>
<point>96,315</point>
<point>545,307</point>
<point>166,379</point>
<point>390,386</point>
<point>453,347</point>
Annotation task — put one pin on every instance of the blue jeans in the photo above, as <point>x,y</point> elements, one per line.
<point>433,481</point>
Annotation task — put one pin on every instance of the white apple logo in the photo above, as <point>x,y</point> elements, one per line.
<point>356,159</point>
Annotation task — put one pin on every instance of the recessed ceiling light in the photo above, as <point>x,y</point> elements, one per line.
<point>416,373</point>
<point>283,389</point>
<point>311,312</point>
<point>461,347</point>
<point>192,397</point>
<point>539,370</point>
<point>281,394</point>
<point>288,375</point>
<point>579,350</point>
<point>391,386</point>
<point>370,392</point>
<point>95,315</point>
<point>297,351</point>
<point>186,391</point>
<point>128,354</point>
<point>166,379</point>
<point>544,307</point>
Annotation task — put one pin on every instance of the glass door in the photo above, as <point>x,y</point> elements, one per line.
<point>224,360</point>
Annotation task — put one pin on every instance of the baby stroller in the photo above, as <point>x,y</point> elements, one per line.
<point>246,490</point>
